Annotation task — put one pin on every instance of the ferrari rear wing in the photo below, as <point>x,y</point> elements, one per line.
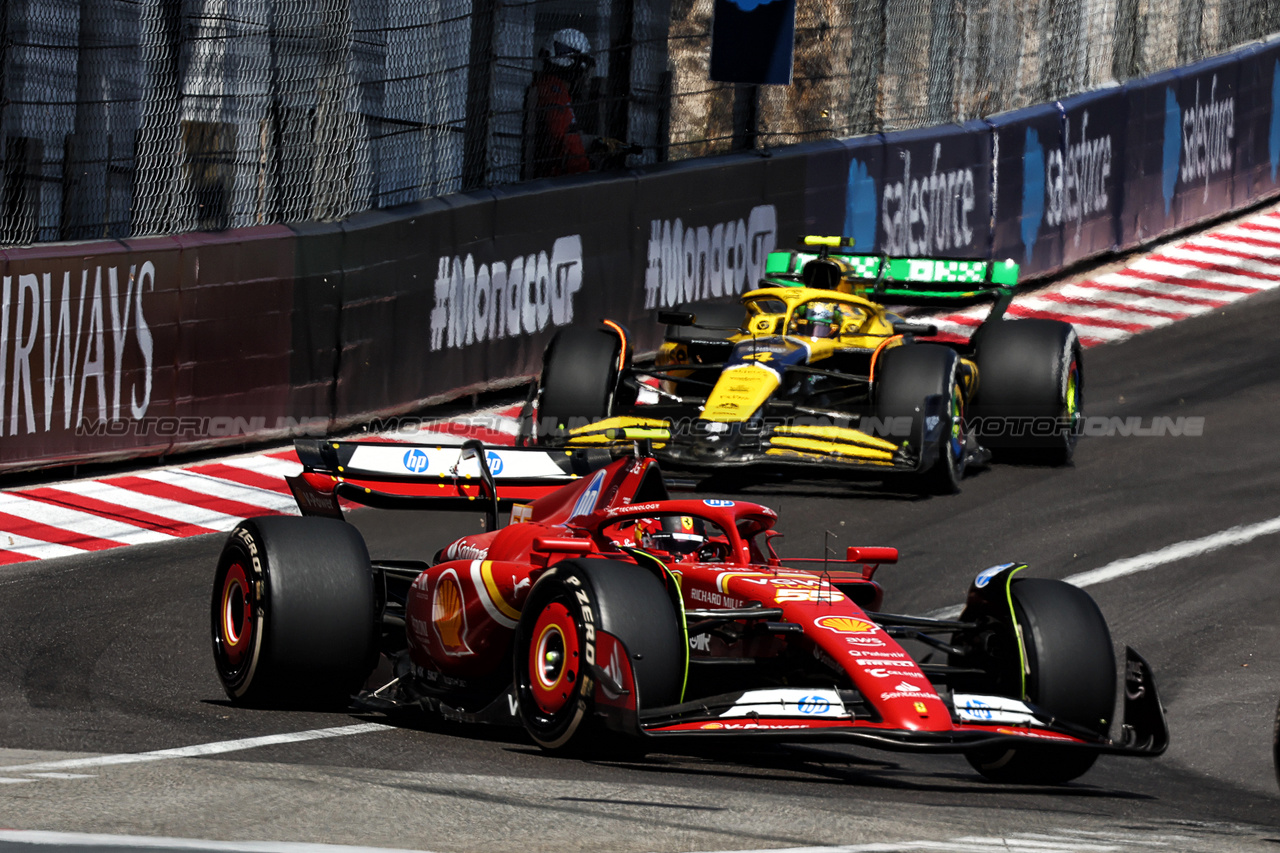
<point>432,476</point>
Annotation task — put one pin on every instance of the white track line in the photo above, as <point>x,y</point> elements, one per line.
<point>1154,559</point>
<point>1175,552</point>
<point>200,749</point>
<point>84,839</point>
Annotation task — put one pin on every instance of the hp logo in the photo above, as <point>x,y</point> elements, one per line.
<point>813,705</point>
<point>416,461</point>
<point>495,462</point>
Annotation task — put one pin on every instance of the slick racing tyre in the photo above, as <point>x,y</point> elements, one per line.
<point>905,375</point>
<point>1072,675</point>
<point>292,612</point>
<point>1030,389</point>
<point>556,641</point>
<point>579,379</point>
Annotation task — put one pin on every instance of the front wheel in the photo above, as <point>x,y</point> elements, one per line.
<point>1070,672</point>
<point>292,612</point>
<point>1030,389</point>
<point>906,375</point>
<point>580,371</point>
<point>555,647</point>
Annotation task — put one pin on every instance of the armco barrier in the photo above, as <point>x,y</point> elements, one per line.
<point>143,347</point>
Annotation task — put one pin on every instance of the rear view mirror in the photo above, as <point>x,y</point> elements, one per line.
<point>924,330</point>
<point>676,318</point>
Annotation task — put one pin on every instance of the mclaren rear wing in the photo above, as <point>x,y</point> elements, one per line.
<point>832,261</point>
<point>470,477</point>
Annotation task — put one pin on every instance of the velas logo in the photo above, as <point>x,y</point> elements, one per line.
<point>1274,147</point>
<point>860,207</point>
<point>1032,190</point>
<point>844,625</point>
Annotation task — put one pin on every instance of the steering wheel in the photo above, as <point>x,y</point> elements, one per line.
<point>713,551</point>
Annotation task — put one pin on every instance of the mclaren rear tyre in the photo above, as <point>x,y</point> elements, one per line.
<point>1071,674</point>
<point>292,613</point>
<point>1030,389</point>
<point>560,660</point>
<point>905,376</point>
<point>580,370</point>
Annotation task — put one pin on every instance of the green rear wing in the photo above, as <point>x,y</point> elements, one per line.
<point>902,280</point>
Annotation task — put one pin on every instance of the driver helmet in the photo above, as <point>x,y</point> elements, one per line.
<point>568,50</point>
<point>817,320</point>
<point>675,534</point>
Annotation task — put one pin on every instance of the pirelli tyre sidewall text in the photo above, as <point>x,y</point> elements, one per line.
<point>292,612</point>
<point>554,653</point>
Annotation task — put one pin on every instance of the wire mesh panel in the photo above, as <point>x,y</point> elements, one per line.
<point>129,117</point>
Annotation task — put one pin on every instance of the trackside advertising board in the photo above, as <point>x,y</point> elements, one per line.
<point>122,349</point>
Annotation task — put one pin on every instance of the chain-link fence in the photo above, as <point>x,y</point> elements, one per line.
<point>129,117</point>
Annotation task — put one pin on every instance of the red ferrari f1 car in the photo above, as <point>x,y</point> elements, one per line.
<point>604,608</point>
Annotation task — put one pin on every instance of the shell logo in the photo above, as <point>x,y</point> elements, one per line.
<point>449,616</point>
<point>845,625</point>
<point>713,726</point>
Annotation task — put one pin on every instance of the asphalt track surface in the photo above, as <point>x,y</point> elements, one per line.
<point>109,654</point>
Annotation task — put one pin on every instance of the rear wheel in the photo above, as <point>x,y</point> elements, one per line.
<point>580,372</point>
<point>1072,674</point>
<point>292,612</point>
<point>555,647</point>
<point>1030,389</point>
<point>905,376</point>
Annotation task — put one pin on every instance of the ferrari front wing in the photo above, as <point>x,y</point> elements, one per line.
<point>828,715</point>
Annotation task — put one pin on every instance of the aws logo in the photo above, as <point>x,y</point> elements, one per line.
<point>1198,140</point>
